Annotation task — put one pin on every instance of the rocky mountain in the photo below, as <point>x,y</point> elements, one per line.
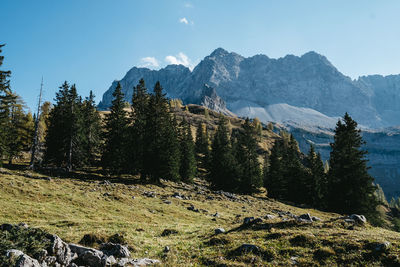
<point>307,89</point>
<point>307,94</point>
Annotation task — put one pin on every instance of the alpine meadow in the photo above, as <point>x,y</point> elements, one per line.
<point>216,160</point>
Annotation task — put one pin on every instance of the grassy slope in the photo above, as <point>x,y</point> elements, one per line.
<point>71,208</point>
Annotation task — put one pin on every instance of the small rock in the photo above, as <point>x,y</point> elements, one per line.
<point>383,247</point>
<point>269,217</point>
<point>247,248</point>
<point>168,232</point>
<point>192,208</point>
<point>106,194</point>
<point>149,194</point>
<point>106,182</point>
<point>219,231</point>
<point>316,219</point>
<point>359,219</point>
<point>210,198</point>
<point>23,225</point>
<point>166,249</point>
<point>248,220</point>
<point>216,215</point>
<point>168,202</point>
<point>133,197</point>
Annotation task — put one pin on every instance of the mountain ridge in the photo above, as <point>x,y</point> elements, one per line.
<point>307,81</point>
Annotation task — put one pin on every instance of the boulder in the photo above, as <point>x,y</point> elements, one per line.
<point>192,208</point>
<point>26,261</point>
<point>305,218</point>
<point>116,250</point>
<point>87,256</point>
<point>60,250</point>
<point>14,253</point>
<point>108,260</point>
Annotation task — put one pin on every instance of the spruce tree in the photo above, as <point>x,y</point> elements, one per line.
<point>188,160</point>
<point>91,139</point>
<point>161,153</point>
<point>5,100</point>
<point>140,106</point>
<point>247,157</point>
<point>115,134</point>
<point>65,131</point>
<point>223,165</point>
<point>351,188</point>
<point>316,186</point>
<point>202,146</point>
<point>274,178</point>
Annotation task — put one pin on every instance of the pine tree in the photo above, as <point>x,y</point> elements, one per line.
<point>91,139</point>
<point>247,157</point>
<point>5,100</point>
<point>161,154</point>
<point>274,180</point>
<point>316,185</point>
<point>115,134</point>
<point>65,129</point>
<point>351,188</point>
<point>222,162</point>
<point>140,106</point>
<point>202,146</point>
<point>188,160</point>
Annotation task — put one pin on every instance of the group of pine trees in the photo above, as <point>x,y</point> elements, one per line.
<point>345,188</point>
<point>16,126</point>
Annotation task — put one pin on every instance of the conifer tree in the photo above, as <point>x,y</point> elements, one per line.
<point>202,146</point>
<point>316,184</point>
<point>246,155</point>
<point>161,154</point>
<point>351,188</point>
<point>65,131</point>
<point>5,100</point>
<point>188,160</point>
<point>140,107</point>
<point>222,162</point>
<point>274,179</point>
<point>91,139</point>
<point>115,134</point>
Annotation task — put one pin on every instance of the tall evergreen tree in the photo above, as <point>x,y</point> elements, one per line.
<point>316,185</point>
<point>161,154</point>
<point>274,179</point>
<point>247,157</point>
<point>91,139</point>
<point>202,146</point>
<point>115,134</point>
<point>188,160</point>
<point>140,107</point>
<point>351,188</point>
<point>5,100</point>
<point>223,165</point>
<point>63,139</point>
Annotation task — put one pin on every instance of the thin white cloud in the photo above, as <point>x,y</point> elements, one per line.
<point>149,62</point>
<point>180,59</point>
<point>184,20</point>
<point>188,5</point>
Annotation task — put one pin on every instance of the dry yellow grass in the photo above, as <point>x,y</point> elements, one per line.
<point>71,208</point>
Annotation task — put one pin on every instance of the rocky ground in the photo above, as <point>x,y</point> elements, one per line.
<point>90,220</point>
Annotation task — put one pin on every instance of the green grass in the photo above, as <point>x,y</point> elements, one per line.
<point>72,208</point>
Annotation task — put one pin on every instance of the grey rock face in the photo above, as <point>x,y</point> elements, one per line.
<point>22,260</point>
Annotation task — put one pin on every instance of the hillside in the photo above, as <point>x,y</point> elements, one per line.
<point>86,204</point>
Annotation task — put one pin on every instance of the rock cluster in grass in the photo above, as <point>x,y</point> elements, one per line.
<point>22,246</point>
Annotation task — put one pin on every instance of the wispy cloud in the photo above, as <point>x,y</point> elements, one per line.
<point>188,5</point>
<point>184,20</point>
<point>180,59</point>
<point>149,62</point>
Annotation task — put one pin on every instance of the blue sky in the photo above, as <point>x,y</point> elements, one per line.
<point>91,43</point>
